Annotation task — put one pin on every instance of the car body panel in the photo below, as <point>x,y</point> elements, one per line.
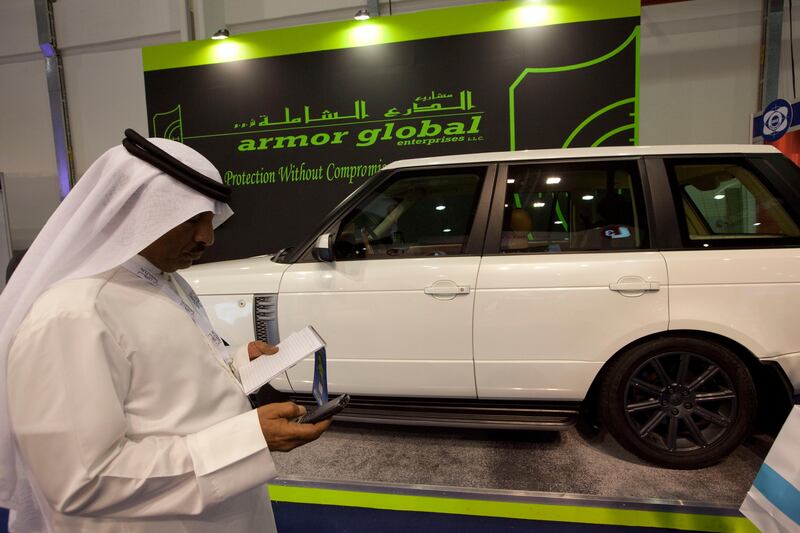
<point>546,323</point>
<point>750,296</point>
<point>384,334</point>
<point>254,275</point>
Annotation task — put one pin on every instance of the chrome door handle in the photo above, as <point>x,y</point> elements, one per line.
<point>635,286</point>
<point>446,290</point>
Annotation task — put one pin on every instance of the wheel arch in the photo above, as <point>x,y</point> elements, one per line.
<point>773,392</point>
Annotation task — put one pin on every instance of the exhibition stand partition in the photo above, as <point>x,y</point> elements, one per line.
<point>304,505</point>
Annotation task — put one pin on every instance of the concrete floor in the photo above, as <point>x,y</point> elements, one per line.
<point>566,462</point>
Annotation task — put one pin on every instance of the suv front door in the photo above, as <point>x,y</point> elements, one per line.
<point>395,306</point>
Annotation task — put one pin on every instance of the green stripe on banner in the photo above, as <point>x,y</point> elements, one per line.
<point>491,16</point>
<point>514,510</point>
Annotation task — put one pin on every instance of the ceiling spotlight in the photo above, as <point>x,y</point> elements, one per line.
<point>362,14</point>
<point>220,34</point>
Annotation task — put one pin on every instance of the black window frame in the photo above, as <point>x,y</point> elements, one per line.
<point>641,195</point>
<point>777,185</point>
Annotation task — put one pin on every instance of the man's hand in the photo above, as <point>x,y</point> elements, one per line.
<point>283,435</point>
<point>257,348</point>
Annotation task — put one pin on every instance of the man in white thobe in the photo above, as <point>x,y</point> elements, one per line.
<point>125,408</point>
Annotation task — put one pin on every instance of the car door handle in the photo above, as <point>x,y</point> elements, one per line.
<point>635,286</point>
<point>447,290</point>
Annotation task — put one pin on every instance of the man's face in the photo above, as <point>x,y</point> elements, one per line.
<point>183,244</point>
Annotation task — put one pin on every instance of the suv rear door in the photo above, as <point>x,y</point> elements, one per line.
<point>395,306</point>
<point>568,277</point>
<point>735,269</point>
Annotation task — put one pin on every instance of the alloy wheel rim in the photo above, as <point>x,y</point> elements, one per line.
<point>680,402</point>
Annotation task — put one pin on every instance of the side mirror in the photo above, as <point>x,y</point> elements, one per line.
<point>323,250</point>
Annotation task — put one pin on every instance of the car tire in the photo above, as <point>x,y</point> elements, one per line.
<point>680,403</point>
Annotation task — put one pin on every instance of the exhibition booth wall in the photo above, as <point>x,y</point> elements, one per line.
<point>304,103</point>
<point>698,79</point>
<point>302,116</point>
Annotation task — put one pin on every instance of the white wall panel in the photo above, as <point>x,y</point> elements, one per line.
<point>699,71</point>
<point>255,15</point>
<point>18,24</point>
<point>105,91</point>
<point>241,11</point>
<point>26,149</point>
<point>785,83</point>
<point>87,22</point>
<point>26,135</point>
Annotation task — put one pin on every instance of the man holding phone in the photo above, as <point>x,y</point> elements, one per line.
<point>126,412</point>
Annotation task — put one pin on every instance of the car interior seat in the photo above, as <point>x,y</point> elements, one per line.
<point>520,224</point>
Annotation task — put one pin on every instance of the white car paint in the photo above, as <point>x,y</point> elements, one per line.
<point>546,323</point>
<point>750,296</point>
<point>385,335</point>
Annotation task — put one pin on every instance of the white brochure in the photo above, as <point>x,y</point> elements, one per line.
<point>291,351</point>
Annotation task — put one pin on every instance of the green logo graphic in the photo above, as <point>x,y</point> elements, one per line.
<point>632,39</point>
<point>169,124</point>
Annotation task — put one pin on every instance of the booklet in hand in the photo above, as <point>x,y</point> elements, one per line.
<point>291,351</point>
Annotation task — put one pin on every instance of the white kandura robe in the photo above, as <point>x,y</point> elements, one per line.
<point>128,421</point>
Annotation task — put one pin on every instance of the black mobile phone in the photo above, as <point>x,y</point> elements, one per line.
<point>325,411</point>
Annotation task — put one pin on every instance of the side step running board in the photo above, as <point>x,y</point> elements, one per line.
<point>538,416</point>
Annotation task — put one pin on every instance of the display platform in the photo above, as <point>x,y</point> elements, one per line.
<point>566,462</point>
<point>303,505</point>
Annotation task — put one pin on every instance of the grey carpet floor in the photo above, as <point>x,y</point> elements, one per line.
<point>566,462</point>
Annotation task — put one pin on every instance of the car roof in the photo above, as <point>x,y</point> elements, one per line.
<point>576,153</point>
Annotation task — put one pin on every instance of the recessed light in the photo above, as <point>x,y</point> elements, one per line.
<point>552,181</point>
<point>510,180</point>
<point>719,196</point>
<point>557,222</point>
<point>446,230</point>
<point>440,208</point>
<point>538,204</point>
<point>587,197</point>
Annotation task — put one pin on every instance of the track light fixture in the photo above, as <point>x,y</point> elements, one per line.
<point>221,33</point>
<point>362,14</point>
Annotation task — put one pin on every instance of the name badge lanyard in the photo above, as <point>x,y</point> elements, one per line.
<point>198,315</point>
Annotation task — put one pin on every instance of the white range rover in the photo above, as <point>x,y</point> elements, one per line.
<point>658,287</point>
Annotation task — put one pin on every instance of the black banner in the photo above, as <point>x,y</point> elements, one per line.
<point>295,134</point>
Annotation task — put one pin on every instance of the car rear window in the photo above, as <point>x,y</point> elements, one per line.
<point>728,202</point>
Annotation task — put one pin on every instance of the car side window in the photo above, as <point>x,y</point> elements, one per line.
<point>727,202</point>
<point>573,207</point>
<point>413,214</point>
